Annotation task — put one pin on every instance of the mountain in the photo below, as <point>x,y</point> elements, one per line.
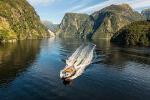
<point>136,33</point>
<point>71,23</point>
<point>50,25</point>
<point>19,21</point>
<point>146,13</point>
<point>101,24</point>
<point>112,18</point>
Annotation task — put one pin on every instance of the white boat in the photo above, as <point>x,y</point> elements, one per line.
<point>77,62</point>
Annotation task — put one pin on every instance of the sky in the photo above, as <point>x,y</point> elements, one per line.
<point>54,10</point>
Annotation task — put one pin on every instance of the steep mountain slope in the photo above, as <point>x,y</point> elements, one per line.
<point>110,19</point>
<point>146,13</point>
<point>137,33</point>
<point>71,23</point>
<point>18,21</point>
<point>101,24</point>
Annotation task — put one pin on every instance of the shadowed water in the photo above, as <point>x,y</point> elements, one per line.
<point>29,70</point>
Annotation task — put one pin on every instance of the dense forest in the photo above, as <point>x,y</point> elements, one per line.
<point>136,33</point>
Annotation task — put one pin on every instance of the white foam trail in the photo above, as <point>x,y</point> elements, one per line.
<point>71,60</point>
<point>83,57</point>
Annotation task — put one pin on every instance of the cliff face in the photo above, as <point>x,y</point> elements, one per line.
<point>71,23</point>
<point>101,24</point>
<point>137,33</point>
<point>146,13</point>
<point>112,18</point>
<point>18,21</point>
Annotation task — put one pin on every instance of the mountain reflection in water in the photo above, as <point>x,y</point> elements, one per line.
<point>30,70</point>
<point>16,57</point>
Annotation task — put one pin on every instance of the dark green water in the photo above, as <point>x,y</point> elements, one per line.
<point>29,70</point>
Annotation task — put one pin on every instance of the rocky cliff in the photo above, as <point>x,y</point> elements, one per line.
<point>112,18</point>
<point>18,21</point>
<point>71,23</point>
<point>101,24</point>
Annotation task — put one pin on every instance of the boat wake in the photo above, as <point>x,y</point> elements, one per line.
<point>77,62</point>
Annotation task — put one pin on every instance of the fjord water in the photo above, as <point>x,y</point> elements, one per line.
<point>29,70</point>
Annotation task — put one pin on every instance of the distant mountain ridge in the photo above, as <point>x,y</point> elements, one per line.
<point>50,25</point>
<point>101,24</point>
<point>146,13</point>
<point>19,21</point>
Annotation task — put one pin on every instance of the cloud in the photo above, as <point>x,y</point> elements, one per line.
<point>41,2</point>
<point>78,4</point>
<point>96,7</point>
<point>77,7</point>
<point>135,4</point>
<point>140,4</point>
